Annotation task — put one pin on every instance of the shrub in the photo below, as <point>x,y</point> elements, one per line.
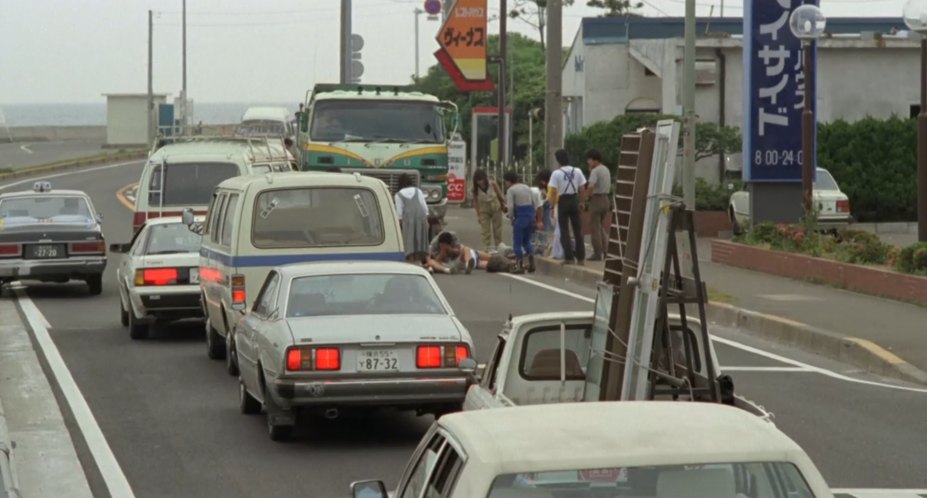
<point>859,247</point>
<point>912,259</point>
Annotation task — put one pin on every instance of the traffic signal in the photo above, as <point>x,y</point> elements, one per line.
<point>357,67</point>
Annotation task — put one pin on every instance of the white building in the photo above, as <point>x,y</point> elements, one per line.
<point>127,118</point>
<point>866,67</point>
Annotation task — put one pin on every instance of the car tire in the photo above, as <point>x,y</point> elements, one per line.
<point>735,227</point>
<point>275,431</point>
<point>215,344</point>
<point>231,356</point>
<point>95,284</point>
<point>123,314</point>
<point>246,402</point>
<point>137,331</point>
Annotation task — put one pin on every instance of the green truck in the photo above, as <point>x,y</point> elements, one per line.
<point>380,131</point>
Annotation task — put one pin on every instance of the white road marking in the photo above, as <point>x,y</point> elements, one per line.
<point>881,493</point>
<point>766,369</point>
<point>116,482</point>
<point>741,346</point>
<point>25,148</point>
<point>67,173</point>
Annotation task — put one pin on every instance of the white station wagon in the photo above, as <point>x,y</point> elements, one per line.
<point>623,449</point>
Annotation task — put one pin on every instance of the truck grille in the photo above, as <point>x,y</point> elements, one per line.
<point>388,176</point>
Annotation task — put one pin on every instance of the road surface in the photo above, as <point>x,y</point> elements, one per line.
<point>23,154</point>
<point>171,415</point>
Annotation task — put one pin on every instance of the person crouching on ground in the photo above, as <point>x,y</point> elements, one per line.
<point>447,255</point>
<point>523,211</point>
<point>413,219</point>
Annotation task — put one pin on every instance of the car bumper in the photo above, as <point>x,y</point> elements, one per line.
<point>182,301</point>
<point>386,392</point>
<point>834,223</point>
<point>52,268</point>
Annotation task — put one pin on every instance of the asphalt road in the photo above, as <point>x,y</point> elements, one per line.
<point>22,154</point>
<point>171,415</point>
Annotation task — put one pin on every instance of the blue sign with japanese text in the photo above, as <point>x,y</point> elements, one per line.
<point>774,92</point>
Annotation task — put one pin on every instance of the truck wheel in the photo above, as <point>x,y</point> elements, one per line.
<point>95,284</point>
<point>137,331</point>
<point>215,344</point>
<point>246,402</point>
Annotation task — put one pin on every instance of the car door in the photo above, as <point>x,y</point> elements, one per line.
<point>254,324</point>
<point>212,280</point>
<point>481,396</point>
<point>418,474</point>
<point>130,262</point>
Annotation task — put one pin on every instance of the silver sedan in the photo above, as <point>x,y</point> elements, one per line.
<point>334,336</point>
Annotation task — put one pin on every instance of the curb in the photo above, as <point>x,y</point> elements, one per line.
<point>860,353</point>
<point>7,468</point>
<point>70,164</point>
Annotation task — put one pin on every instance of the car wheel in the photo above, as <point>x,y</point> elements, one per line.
<point>215,345</point>
<point>137,331</point>
<point>277,431</point>
<point>735,227</point>
<point>231,356</point>
<point>95,284</point>
<point>246,402</point>
<point>123,315</point>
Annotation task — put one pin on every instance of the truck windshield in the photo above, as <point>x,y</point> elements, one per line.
<point>376,121</point>
<point>757,480</point>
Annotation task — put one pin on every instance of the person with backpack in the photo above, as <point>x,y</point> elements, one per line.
<point>566,188</point>
<point>523,211</point>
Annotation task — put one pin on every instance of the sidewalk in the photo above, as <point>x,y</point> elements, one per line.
<point>834,318</point>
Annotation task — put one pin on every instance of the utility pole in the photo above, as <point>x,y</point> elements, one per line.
<point>183,91</point>
<point>503,64</point>
<point>418,12</point>
<point>688,145</point>
<point>553,116</point>
<point>345,42</point>
<point>150,83</point>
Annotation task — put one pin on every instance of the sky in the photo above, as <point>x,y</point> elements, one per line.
<point>73,51</point>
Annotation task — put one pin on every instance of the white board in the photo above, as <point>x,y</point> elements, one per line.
<point>456,171</point>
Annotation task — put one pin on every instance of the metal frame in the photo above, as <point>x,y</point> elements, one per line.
<point>252,141</point>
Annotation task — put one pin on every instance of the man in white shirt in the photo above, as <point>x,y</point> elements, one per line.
<point>566,188</point>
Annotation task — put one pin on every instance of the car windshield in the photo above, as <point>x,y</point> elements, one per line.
<point>375,294</point>
<point>757,480</point>
<point>173,238</point>
<point>187,183</point>
<point>261,128</point>
<point>56,208</point>
<point>825,181</point>
<point>376,121</point>
<point>316,217</point>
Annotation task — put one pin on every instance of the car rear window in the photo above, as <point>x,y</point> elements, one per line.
<point>316,217</point>
<point>187,184</point>
<point>173,238</point>
<point>55,208</point>
<point>824,181</point>
<point>377,294</point>
<point>726,480</point>
<point>541,353</point>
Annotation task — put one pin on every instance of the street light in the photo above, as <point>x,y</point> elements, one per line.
<point>807,23</point>
<point>915,16</point>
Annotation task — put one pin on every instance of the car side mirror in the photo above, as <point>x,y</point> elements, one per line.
<point>368,489</point>
<point>187,217</point>
<point>119,248</point>
<point>470,367</point>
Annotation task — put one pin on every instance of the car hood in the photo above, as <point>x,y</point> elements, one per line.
<point>375,328</point>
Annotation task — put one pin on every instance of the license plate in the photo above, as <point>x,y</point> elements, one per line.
<point>194,275</point>
<point>381,360</point>
<point>45,251</point>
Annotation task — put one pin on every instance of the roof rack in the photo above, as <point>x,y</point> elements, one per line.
<point>253,142</point>
<point>361,88</point>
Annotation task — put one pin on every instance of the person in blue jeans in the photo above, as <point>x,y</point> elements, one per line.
<point>523,211</point>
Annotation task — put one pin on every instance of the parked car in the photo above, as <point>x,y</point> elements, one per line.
<point>832,204</point>
<point>649,449</point>
<point>158,275</point>
<point>51,236</point>
<point>330,336</point>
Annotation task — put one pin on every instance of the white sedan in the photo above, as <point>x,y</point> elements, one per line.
<point>832,204</point>
<point>158,275</point>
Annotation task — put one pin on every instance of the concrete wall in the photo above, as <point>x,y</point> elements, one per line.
<point>84,133</point>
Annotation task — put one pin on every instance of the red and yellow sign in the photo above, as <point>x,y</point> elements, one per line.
<point>463,39</point>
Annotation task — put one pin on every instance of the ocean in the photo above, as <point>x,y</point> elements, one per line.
<point>95,113</point>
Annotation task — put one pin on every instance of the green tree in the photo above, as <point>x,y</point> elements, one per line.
<point>615,8</point>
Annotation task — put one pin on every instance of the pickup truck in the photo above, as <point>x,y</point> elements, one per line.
<point>532,364</point>
<point>832,204</point>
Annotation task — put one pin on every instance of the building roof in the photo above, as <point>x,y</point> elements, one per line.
<point>549,437</point>
<point>606,30</point>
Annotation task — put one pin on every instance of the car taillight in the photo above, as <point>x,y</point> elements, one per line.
<point>843,206</point>
<point>238,292</point>
<point>89,247</point>
<point>301,359</point>
<point>327,359</point>
<point>441,355</point>
<point>463,352</point>
<point>156,276</point>
<point>10,250</point>
<point>138,219</point>
<point>428,357</point>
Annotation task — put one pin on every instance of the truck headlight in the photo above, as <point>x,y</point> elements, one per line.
<point>433,193</point>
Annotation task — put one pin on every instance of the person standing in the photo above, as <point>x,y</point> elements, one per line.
<point>523,211</point>
<point>567,185</point>
<point>597,190</point>
<point>490,205</point>
<point>413,219</point>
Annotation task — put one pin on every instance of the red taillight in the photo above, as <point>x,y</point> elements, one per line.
<point>238,297</point>
<point>294,359</point>
<point>843,206</point>
<point>463,352</point>
<point>90,247</point>
<point>327,359</point>
<point>156,276</point>
<point>238,291</point>
<point>9,250</point>
<point>428,357</point>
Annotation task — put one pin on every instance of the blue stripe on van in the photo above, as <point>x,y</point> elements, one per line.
<point>286,259</point>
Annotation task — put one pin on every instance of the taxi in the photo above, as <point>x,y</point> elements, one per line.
<point>51,236</point>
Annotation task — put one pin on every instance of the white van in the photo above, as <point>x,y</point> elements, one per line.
<point>256,223</point>
<point>267,121</point>
<point>184,174</point>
